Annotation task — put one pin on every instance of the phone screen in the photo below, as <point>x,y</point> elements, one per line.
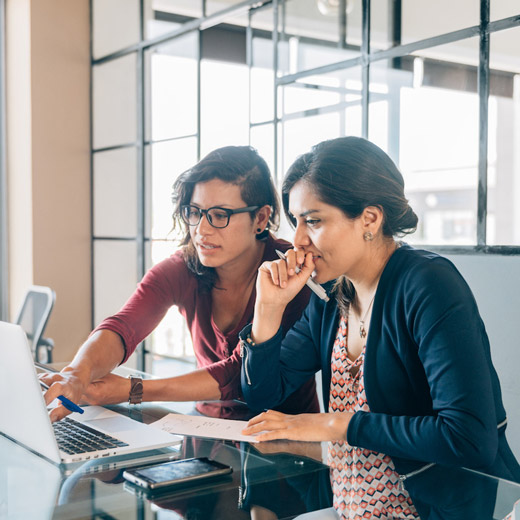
<point>177,472</point>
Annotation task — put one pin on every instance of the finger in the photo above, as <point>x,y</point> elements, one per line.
<point>255,419</point>
<point>274,413</point>
<point>279,272</point>
<point>262,416</point>
<point>56,389</point>
<point>308,266</point>
<point>292,261</point>
<point>299,256</point>
<point>272,435</point>
<point>44,376</point>
<point>266,425</point>
<point>52,393</point>
<point>49,378</point>
<point>267,267</point>
<point>58,413</point>
<point>256,428</point>
<point>283,272</point>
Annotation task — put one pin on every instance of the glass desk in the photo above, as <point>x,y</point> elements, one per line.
<point>280,479</point>
<point>269,480</point>
<point>276,480</point>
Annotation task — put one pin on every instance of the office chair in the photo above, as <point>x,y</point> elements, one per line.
<point>33,317</point>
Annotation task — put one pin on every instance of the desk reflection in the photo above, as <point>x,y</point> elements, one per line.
<point>273,480</point>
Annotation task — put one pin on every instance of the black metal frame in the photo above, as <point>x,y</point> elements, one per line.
<point>141,164</point>
<point>483,96</point>
<point>91,183</point>
<point>396,53</point>
<point>4,279</point>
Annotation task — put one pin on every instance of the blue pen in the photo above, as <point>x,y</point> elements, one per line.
<point>67,403</point>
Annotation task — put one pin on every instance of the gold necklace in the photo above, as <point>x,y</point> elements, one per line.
<point>362,330</point>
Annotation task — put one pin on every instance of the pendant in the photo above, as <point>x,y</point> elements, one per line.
<point>362,331</point>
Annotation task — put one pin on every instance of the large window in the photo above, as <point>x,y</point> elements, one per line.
<point>172,80</point>
<point>438,93</point>
<point>167,88</point>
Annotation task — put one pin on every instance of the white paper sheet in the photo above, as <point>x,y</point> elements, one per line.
<point>199,426</point>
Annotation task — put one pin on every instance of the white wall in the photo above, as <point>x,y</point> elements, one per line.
<point>495,282</point>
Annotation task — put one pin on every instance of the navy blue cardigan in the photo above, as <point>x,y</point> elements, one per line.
<point>432,390</point>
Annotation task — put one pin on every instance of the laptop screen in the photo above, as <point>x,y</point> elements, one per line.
<point>24,416</point>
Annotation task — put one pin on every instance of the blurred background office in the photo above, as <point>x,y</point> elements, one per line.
<point>105,102</point>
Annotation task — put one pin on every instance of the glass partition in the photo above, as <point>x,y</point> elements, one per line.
<point>424,112</point>
<point>166,161</point>
<point>115,276</point>
<point>319,107</point>
<point>261,73</point>
<point>503,211</point>
<point>123,14</point>
<point>316,33</point>
<point>171,93</point>
<point>194,80</point>
<point>224,105</point>
<point>164,16</point>
<point>114,102</point>
<point>115,209</point>
<point>502,9</point>
<point>423,19</point>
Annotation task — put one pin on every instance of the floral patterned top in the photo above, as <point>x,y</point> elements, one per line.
<point>365,483</point>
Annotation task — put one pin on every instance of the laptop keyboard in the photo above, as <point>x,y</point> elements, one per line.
<point>74,437</point>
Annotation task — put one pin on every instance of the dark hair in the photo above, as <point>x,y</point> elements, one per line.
<point>239,165</point>
<point>352,173</point>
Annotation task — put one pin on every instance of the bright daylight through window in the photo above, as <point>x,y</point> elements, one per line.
<point>440,94</point>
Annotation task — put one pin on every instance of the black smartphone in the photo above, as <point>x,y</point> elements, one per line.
<point>179,472</point>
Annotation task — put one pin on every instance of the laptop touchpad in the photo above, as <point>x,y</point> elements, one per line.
<point>112,424</point>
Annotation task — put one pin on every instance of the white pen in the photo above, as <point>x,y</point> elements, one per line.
<point>316,288</point>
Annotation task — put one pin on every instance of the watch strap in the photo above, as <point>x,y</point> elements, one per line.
<point>136,390</point>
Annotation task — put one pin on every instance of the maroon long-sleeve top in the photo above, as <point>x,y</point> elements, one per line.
<point>169,283</point>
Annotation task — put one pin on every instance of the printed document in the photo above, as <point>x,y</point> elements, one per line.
<point>199,426</point>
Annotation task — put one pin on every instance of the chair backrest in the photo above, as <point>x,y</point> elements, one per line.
<point>34,313</point>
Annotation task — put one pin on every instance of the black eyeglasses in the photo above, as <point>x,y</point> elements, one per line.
<point>217,217</point>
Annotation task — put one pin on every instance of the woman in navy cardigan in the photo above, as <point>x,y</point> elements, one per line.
<point>408,382</point>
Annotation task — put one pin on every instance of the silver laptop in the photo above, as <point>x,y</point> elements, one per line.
<point>24,416</point>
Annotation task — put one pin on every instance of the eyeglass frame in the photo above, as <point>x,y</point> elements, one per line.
<point>204,212</point>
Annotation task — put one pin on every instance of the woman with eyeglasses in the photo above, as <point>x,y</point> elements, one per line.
<point>226,206</point>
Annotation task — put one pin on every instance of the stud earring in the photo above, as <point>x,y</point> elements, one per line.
<point>368,236</point>
<point>258,230</point>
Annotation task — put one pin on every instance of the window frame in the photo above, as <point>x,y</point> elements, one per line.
<point>397,51</point>
<point>365,59</point>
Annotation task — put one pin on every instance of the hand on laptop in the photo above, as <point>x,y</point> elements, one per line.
<point>66,383</point>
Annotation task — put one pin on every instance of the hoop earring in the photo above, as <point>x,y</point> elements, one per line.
<point>368,236</point>
<point>258,230</point>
